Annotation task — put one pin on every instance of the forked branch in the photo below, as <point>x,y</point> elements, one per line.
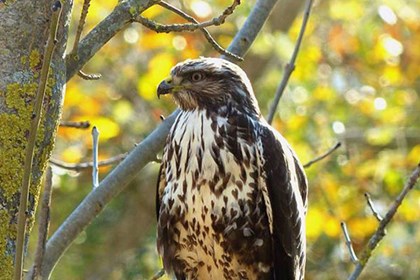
<point>380,231</point>
<point>192,26</point>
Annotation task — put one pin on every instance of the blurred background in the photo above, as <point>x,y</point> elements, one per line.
<point>357,81</point>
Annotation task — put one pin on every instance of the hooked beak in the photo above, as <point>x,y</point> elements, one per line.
<point>165,87</point>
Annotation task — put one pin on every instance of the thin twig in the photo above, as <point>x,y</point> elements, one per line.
<point>206,33</point>
<point>44,223</point>
<point>82,21</point>
<point>290,67</point>
<point>372,207</point>
<point>380,231</point>
<point>327,153</point>
<point>158,274</point>
<point>349,245</point>
<point>178,27</point>
<point>81,125</point>
<point>84,165</point>
<point>36,117</point>
<point>95,169</point>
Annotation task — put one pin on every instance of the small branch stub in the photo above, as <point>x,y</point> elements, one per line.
<point>372,207</point>
<point>349,245</point>
<point>81,125</point>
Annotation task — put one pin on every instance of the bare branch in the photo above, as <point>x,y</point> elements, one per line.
<point>206,33</point>
<point>29,152</point>
<point>380,231</point>
<point>178,27</point>
<point>44,223</point>
<point>353,256</point>
<point>84,165</point>
<point>95,144</point>
<point>321,157</point>
<point>372,207</point>
<point>290,67</point>
<point>81,125</point>
<point>82,21</point>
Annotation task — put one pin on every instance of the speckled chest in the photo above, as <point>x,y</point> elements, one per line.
<point>212,218</point>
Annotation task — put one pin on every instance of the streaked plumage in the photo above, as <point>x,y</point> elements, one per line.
<point>232,195</point>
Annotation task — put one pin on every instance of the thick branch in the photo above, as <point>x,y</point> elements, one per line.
<point>380,231</point>
<point>252,26</point>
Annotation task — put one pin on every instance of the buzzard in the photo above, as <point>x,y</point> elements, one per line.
<point>232,195</point>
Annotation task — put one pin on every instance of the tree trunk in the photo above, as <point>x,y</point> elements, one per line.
<point>24,29</point>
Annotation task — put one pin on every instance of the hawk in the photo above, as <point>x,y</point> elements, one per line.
<point>231,195</point>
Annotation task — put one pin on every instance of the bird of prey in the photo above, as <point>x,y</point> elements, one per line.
<point>231,195</point>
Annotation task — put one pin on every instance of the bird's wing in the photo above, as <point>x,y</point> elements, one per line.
<point>286,186</point>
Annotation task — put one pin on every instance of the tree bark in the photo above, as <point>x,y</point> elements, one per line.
<point>24,29</point>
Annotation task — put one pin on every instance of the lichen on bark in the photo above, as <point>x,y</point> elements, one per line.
<point>23,33</point>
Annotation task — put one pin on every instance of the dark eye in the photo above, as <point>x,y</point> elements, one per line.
<point>197,76</point>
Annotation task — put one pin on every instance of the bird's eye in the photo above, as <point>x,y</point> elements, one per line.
<point>196,76</point>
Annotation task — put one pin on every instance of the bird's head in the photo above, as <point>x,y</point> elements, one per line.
<point>209,83</point>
